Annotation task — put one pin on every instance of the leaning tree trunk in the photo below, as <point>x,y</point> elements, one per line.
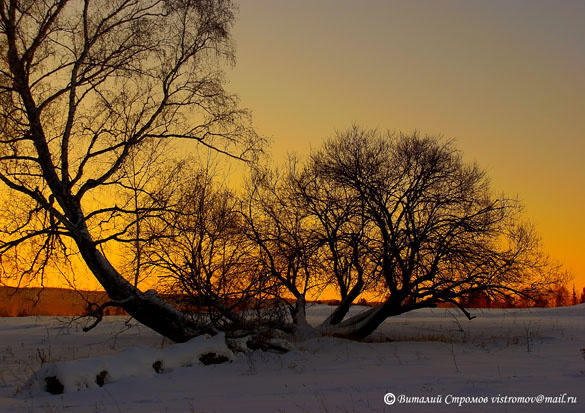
<point>361,325</point>
<point>342,309</point>
<point>302,330</point>
<point>365,323</point>
<point>147,308</point>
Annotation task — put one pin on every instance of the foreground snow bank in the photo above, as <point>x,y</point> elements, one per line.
<point>503,354</point>
<point>135,362</point>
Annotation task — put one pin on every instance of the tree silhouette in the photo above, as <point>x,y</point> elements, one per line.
<point>91,92</point>
<point>405,215</point>
<point>83,85</point>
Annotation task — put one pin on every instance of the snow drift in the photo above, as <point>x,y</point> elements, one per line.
<point>135,362</point>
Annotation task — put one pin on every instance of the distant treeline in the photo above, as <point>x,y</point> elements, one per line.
<point>559,296</point>
<point>24,302</point>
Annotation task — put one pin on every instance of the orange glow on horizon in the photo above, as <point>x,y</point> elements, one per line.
<point>504,79</point>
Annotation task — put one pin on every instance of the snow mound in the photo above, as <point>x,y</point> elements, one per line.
<point>135,362</point>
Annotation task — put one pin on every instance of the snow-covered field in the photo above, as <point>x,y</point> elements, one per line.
<point>504,360</point>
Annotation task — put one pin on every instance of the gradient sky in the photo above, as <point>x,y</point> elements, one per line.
<point>505,78</point>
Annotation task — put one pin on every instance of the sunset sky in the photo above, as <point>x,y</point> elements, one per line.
<point>504,78</point>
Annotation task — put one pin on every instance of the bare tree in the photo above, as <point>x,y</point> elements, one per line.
<point>82,85</point>
<point>146,181</point>
<point>287,252</point>
<point>340,228</point>
<point>200,252</point>
<point>436,232</point>
<point>401,216</point>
